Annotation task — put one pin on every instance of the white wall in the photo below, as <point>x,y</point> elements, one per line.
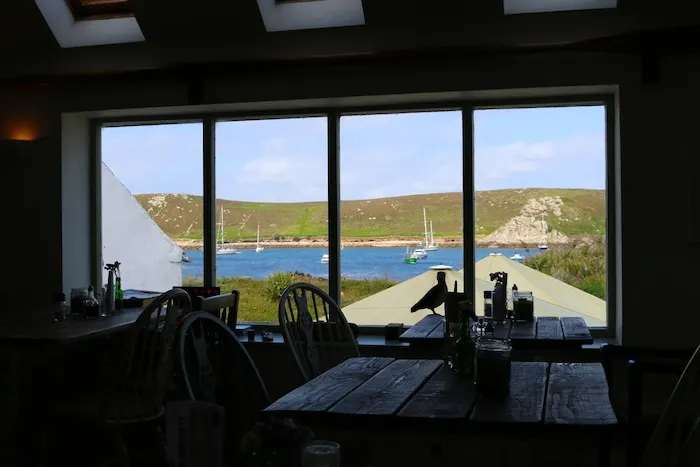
<point>150,260</point>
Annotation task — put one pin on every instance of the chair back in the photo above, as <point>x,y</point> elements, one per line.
<point>674,442</point>
<point>216,368</point>
<point>145,368</point>
<point>315,329</point>
<point>224,307</point>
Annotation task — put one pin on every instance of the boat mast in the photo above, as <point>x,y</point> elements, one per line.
<point>425,227</point>
<point>222,227</point>
<point>258,235</point>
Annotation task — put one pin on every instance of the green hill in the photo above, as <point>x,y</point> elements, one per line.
<point>581,212</point>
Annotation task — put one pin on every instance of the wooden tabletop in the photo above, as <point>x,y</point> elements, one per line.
<point>546,332</point>
<point>426,391</point>
<point>75,328</point>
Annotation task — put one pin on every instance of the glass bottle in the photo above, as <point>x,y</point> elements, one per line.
<point>488,303</point>
<point>118,294</point>
<point>464,348</point>
<point>451,323</point>
<point>61,309</point>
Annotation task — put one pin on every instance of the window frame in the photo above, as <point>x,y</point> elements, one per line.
<point>97,11</point>
<point>332,115</point>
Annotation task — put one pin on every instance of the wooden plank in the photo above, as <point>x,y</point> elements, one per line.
<point>502,330</point>
<point>549,328</point>
<point>523,331</point>
<point>524,404</point>
<point>446,395</point>
<point>387,391</point>
<point>319,394</point>
<point>575,329</point>
<point>422,328</point>
<point>577,394</point>
<point>437,334</point>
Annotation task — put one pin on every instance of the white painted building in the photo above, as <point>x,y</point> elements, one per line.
<point>149,259</point>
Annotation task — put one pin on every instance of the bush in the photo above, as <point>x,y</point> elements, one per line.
<point>276,237</point>
<point>582,266</point>
<point>297,238</point>
<point>276,283</point>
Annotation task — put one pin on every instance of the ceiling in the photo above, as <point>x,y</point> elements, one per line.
<point>180,32</point>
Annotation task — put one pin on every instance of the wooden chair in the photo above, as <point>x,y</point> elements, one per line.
<point>224,307</point>
<point>216,368</point>
<point>674,442</point>
<point>136,391</point>
<point>315,329</point>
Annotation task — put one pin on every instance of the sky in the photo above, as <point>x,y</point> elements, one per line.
<point>284,160</point>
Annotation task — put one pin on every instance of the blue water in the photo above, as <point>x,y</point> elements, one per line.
<point>356,263</point>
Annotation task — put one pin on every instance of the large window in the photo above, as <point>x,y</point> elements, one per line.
<point>541,212</point>
<point>401,211</point>
<point>268,192</point>
<point>151,177</point>
<point>271,209</point>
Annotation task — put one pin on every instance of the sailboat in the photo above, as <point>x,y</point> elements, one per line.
<point>258,248</point>
<point>432,246</point>
<point>221,249</point>
<point>408,257</point>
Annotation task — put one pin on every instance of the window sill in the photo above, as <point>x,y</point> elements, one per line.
<point>364,341</point>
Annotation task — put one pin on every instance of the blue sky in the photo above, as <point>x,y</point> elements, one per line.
<point>284,160</point>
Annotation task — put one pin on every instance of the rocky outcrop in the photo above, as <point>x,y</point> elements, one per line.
<point>530,226</point>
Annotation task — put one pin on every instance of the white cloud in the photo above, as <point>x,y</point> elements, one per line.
<point>270,169</point>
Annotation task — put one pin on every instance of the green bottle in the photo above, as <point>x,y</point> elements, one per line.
<point>464,348</point>
<point>118,294</point>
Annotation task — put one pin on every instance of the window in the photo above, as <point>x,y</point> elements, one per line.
<point>271,178</point>
<point>401,212</point>
<point>541,206</point>
<point>94,9</point>
<point>151,211</point>
<point>539,178</point>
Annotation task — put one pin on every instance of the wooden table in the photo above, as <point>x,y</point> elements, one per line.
<point>545,333</point>
<point>43,328</point>
<point>425,391</point>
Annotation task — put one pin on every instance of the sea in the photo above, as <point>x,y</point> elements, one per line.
<point>355,263</point>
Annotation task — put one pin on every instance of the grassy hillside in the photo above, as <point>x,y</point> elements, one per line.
<point>181,215</point>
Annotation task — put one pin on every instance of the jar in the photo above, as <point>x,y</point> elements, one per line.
<point>488,303</point>
<point>492,368</point>
<point>77,298</point>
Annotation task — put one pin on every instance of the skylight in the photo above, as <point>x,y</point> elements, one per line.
<point>515,7</point>
<point>112,25</point>
<point>94,9</point>
<point>287,15</point>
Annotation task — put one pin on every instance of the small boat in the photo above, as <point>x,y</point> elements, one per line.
<point>408,257</point>
<point>258,248</point>
<point>185,258</point>
<point>517,258</point>
<point>543,246</point>
<point>419,253</point>
<point>221,249</point>
<point>326,258</point>
<point>495,254</point>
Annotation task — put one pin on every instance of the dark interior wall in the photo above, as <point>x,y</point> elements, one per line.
<point>657,125</point>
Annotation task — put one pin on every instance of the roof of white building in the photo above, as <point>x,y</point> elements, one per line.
<point>552,297</point>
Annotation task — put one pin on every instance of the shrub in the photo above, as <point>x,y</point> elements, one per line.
<point>276,283</point>
<point>297,238</point>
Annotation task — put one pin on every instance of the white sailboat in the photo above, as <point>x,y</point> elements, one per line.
<point>221,249</point>
<point>432,246</point>
<point>326,258</point>
<point>258,248</point>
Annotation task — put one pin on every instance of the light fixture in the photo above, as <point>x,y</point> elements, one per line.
<point>516,7</point>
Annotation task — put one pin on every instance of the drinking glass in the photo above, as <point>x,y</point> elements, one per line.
<point>321,454</point>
